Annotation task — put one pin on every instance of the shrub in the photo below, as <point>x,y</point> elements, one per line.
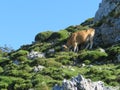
<point>18,54</point>
<point>1,70</point>
<point>22,58</point>
<point>38,61</point>
<point>87,62</point>
<point>22,86</point>
<point>13,73</point>
<point>41,86</point>
<point>93,56</point>
<point>65,58</point>
<point>7,81</point>
<point>55,73</point>
<point>3,85</point>
<point>113,51</point>
<point>94,70</point>
<point>89,22</point>
<point>43,36</point>
<point>54,36</point>
<point>38,78</point>
<point>76,28</point>
<point>25,67</point>
<point>71,29</point>
<point>63,35</point>
<point>4,61</point>
<point>52,63</point>
<point>19,84</point>
<point>24,74</point>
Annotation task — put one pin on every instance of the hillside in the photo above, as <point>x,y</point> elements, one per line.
<point>44,63</point>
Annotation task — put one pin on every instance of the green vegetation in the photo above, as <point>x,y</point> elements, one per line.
<point>43,36</point>
<point>57,65</point>
<point>93,56</point>
<point>88,22</point>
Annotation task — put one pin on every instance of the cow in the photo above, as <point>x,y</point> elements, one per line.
<point>80,38</point>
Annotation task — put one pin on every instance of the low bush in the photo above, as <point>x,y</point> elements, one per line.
<point>55,73</point>
<point>87,62</point>
<point>52,63</point>
<point>65,58</point>
<point>22,59</point>
<point>93,56</point>
<point>76,28</point>
<point>19,53</point>
<point>63,35</point>
<point>41,86</point>
<point>4,61</point>
<point>43,36</point>
<point>38,61</point>
<point>3,85</point>
<point>113,51</point>
<point>1,70</point>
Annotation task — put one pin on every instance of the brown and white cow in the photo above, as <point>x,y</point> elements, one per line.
<point>79,38</point>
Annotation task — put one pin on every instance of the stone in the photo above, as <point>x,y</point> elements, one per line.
<point>118,58</point>
<point>35,54</point>
<point>80,83</point>
<point>38,68</point>
<point>108,13</point>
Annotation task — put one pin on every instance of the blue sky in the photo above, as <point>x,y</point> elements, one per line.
<point>21,20</point>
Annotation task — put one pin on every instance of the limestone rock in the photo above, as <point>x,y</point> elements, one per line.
<point>108,17</point>
<point>80,83</point>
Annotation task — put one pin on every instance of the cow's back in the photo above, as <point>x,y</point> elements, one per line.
<point>83,35</point>
<point>80,37</point>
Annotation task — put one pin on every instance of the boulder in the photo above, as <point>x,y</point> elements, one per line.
<point>35,54</point>
<point>108,17</point>
<point>80,83</point>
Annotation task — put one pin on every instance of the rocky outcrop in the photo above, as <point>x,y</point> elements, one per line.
<point>107,21</point>
<point>80,83</point>
<point>34,54</point>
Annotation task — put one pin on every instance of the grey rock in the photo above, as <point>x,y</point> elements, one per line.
<point>80,83</point>
<point>108,33</point>
<point>35,54</point>
<point>118,58</point>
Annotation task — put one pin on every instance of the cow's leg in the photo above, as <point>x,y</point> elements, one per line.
<point>91,42</point>
<point>75,47</point>
<point>87,46</point>
<point>87,42</point>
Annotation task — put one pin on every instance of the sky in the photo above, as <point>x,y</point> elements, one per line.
<point>21,20</point>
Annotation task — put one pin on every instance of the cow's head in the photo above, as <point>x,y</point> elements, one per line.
<point>65,47</point>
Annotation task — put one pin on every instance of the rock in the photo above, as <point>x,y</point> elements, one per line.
<point>16,62</point>
<point>118,58</point>
<point>51,50</point>
<point>108,15</point>
<point>38,68</point>
<point>35,69</point>
<point>34,54</point>
<point>80,83</point>
<point>56,87</point>
<point>102,50</point>
<point>105,7</point>
<point>83,65</point>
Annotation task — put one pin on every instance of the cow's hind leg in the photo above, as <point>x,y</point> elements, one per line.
<point>87,46</point>
<point>91,42</point>
<point>76,47</point>
<point>87,43</point>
